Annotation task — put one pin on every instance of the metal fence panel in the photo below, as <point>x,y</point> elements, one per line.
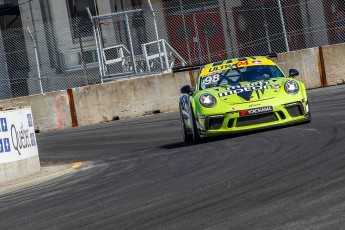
<point>128,45</point>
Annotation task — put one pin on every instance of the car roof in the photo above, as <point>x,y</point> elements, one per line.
<point>240,62</point>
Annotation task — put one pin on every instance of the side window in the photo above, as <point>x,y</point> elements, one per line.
<point>276,72</point>
<point>81,23</point>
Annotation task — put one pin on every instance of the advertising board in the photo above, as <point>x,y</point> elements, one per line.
<point>17,135</point>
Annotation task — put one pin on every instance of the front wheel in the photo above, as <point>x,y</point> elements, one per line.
<point>196,135</point>
<point>186,136</point>
<point>308,114</point>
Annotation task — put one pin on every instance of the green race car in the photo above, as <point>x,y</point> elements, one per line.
<point>239,95</point>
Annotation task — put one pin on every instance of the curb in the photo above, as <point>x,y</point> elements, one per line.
<point>44,175</point>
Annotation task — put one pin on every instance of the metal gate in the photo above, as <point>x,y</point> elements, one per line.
<point>128,44</point>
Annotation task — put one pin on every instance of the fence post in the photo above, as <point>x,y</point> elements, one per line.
<point>283,25</point>
<point>165,54</point>
<point>157,36</point>
<point>267,37</point>
<point>97,46</point>
<point>100,47</point>
<point>82,51</point>
<point>130,44</point>
<point>37,60</point>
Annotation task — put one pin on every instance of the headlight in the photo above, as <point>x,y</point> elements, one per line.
<point>207,100</point>
<point>291,87</point>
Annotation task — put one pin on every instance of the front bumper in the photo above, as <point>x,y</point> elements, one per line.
<point>231,121</point>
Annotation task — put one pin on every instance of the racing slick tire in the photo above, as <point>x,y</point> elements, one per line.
<point>196,135</point>
<point>185,135</point>
<point>308,115</point>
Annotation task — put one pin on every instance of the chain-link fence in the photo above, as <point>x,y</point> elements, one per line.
<point>218,29</point>
<point>91,50</point>
<point>65,51</point>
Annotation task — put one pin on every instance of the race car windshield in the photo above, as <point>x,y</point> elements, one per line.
<point>243,74</point>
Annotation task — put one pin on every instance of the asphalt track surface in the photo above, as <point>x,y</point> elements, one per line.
<point>138,174</point>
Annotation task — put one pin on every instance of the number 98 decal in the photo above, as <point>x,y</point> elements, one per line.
<point>212,79</point>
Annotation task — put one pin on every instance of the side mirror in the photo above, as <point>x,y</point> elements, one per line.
<point>293,73</point>
<point>186,89</point>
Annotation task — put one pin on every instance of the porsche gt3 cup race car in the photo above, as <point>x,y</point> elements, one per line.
<point>240,95</point>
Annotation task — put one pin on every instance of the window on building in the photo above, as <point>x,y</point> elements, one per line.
<point>81,22</point>
<point>190,5</point>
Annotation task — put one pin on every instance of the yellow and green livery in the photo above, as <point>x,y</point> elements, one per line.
<point>241,94</point>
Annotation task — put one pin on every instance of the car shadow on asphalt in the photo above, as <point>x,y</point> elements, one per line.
<point>226,137</point>
<point>204,140</point>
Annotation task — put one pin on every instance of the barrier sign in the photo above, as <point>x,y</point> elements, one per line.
<point>17,135</point>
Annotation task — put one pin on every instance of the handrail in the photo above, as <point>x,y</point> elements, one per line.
<point>163,53</point>
<point>120,53</point>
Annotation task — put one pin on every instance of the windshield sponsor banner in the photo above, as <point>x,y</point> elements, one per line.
<point>228,66</point>
<point>236,64</point>
<point>255,111</point>
<point>17,135</point>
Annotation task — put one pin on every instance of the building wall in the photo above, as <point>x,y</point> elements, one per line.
<point>229,23</point>
<point>31,17</point>
<point>5,91</point>
<point>314,19</point>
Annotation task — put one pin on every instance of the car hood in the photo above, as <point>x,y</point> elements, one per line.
<point>246,92</point>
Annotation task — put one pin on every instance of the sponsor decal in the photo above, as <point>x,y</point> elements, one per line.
<point>17,136</point>
<point>5,145</point>
<point>33,140</point>
<point>245,88</point>
<point>1,146</point>
<point>275,86</point>
<point>256,111</point>
<point>212,79</point>
<point>256,62</point>
<point>242,63</point>
<point>254,105</point>
<point>221,68</point>
<point>30,123</point>
<point>22,138</point>
<point>5,142</point>
<point>3,123</point>
<point>228,66</point>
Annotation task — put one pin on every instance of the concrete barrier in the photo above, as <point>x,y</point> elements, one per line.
<point>18,146</point>
<point>334,64</point>
<point>50,110</point>
<point>128,98</point>
<point>307,62</point>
